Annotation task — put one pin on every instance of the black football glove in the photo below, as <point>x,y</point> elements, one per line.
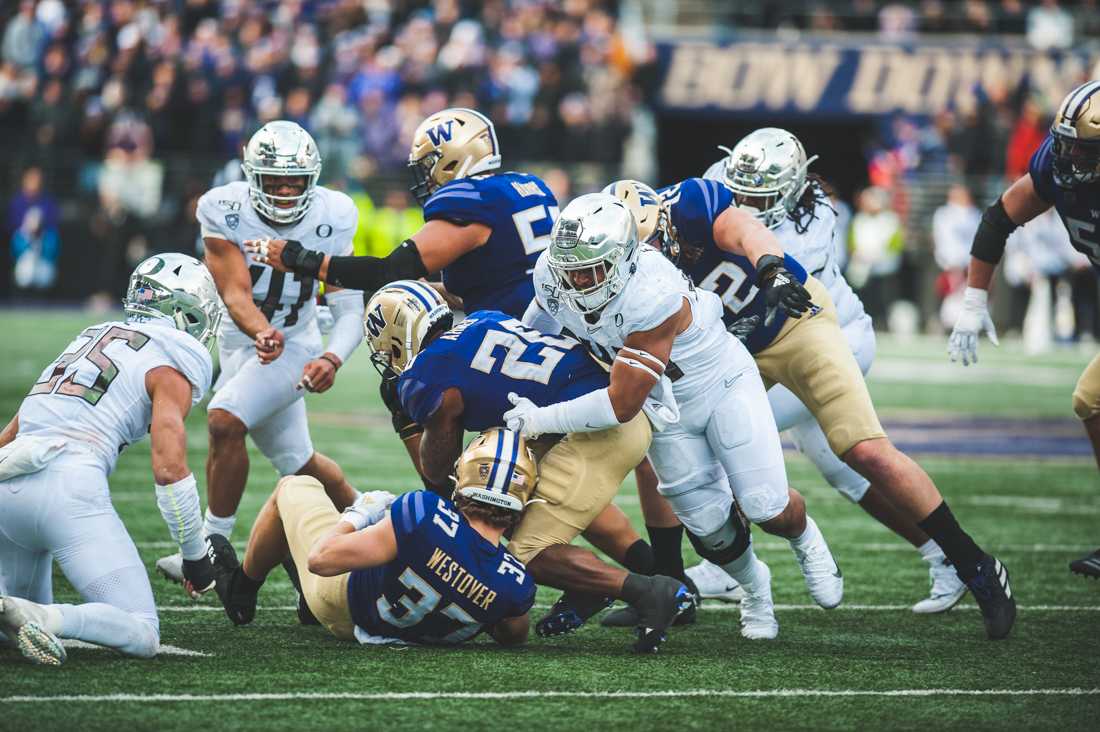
<point>781,289</point>
<point>403,424</point>
<point>744,327</point>
<point>302,261</point>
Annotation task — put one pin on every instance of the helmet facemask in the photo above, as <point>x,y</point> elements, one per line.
<point>591,251</point>
<point>767,173</point>
<point>1076,162</point>
<point>281,149</point>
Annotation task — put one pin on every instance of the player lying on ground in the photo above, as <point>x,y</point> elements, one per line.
<point>667,344</point>
<point>115,383</point>
<point>483,228</point>
<point>717,233</point>
<point>1065,173</point>
<point>453,379</point>
<point>270,347</point>
<point>417,568</point>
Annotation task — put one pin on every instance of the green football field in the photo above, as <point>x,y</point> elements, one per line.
<point>999,439</point>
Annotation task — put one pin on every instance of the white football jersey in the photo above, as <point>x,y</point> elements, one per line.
<point>287,300</point>
<point>94,393</point>
<point>815,250</point>
<point>702,355</point>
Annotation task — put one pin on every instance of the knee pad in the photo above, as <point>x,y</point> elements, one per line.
<point>1086,405</point>
<point>725,545</point>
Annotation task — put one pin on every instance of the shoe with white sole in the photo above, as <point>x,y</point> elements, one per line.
<point>823,577</point>
<point>171,567</point>
<point>713,582</point>
<point>947,588</point>
<point>757,609</point>
<point>25,623</point>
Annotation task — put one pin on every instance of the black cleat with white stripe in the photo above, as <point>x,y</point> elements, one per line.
<point>1087,566</point>
<point>993,593</point>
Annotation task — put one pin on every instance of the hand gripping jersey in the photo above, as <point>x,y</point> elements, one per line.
<point>94,393</point>
<point>694,204</point>
<point>701,356</point>
<point>287,300</point>
<point>446,584</point>
<point>488,355</point>
<point>1078,207</point>
<point>520,210</point>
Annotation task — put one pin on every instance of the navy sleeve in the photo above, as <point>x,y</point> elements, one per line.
<point>694,205</point>
<point>420,394</point>
<point>407,513</point>
<point>461,202</point>
<point>1041,168</point>
<point>525,599</point>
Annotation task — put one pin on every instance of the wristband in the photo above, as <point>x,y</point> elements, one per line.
<point>331,359</point>
<point>302,261</point>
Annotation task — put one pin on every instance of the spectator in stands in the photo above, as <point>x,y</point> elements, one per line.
<point>875,245</point>
<point>1049,26</point>
<point>1028,133</point>
<point>953,227</point>
<point>24,38</point>
<point>35,244</point>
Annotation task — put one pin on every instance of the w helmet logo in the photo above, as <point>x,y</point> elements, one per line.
<point>442,132</point>
<point>375,321</point>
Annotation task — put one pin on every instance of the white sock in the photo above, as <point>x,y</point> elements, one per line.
<point>106,625</point>
<point>743,569</point>
<point>930,550</point>
<point>811,536</point>
<point>218,524</point>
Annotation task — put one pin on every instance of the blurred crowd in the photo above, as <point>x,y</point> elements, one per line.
<point>1045,24</point>
<point>123,104</point>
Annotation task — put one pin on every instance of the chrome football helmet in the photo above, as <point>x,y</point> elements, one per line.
<point>592,248</point>
<point>1076,137</point>
<point>452,144</point>
<point>281,149</point>
<point>650,214</point>
<point>766,171</point>
<point>497,468</point>
<point>398,321</point>
<point>179,290</point>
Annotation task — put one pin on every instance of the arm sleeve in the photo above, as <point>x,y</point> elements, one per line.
<point>347,330</point>
<point>421,395</point>
<point>538,319</point>
<point>372,273</point>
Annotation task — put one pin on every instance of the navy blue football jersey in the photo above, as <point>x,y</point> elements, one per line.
<point>520,210</point>
<point>488,355</point>
<point>447,583</point>
<point>694,204</point>
<point>1078,207</point>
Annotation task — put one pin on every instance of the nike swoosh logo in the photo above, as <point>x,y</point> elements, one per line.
<point>730,382</point>
<point>590,426</point>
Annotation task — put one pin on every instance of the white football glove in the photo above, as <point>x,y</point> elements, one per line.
<point>973,320</point>
<point>523,416</point>
<point>368,509</point>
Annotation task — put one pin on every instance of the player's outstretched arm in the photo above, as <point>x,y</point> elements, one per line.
<point>230,272</point>
<point>1018,205</point>
<point>176,488</point>
<point>345,547</point>
<point>637,368</point>
<point>511,631</point>
<point>441,442</point>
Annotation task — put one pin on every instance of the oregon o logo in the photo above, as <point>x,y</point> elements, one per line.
<point>324,230</point>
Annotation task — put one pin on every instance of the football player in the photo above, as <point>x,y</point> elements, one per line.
<point>270,345</point>
<point>796,208</point>
<point>1064,173</point>
<point>454,379</point>
<point>418,568</point>
<point>667,344</point>
<point>115,383</point>
<point>483,229</point>
<point>713,226</point>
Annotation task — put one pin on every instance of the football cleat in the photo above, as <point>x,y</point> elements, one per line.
<point>171,567</point>
<point>305,615</point>
<point>1087,566</point>
<point>629,617</point>
<point>947,588</point>
<point>569,613</point>
<point>658,610</point>
<point>993,593</point>
<point>757,609</point>
<point>713,583</point>
<point>238,600</point>
<point>823,577</point>
<point>24,623</point>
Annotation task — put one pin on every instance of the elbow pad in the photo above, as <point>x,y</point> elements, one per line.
<point>993,231</point>
<point>373,273</point>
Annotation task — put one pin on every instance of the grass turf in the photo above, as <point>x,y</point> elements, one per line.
<point>1035,514</point>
